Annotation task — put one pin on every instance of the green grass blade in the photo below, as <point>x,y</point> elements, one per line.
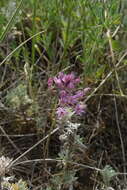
<point>10,23</point>
<point>9,56</point>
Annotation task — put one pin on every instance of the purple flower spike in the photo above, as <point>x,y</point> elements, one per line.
<point>61,112</point>
<point>63,97</point>
<point>58,82</point>
<point>80,109</point>
<point>66,81</point>
<point>70,85</point>
<point>77,80</point>
<point>63,93</point>
<point>69,97</point>
<point>68,78</point>
<point>61,75</point>
<point>79,94</point>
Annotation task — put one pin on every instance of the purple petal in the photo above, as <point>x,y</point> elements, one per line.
<point>80,109</point>
<point>63,101</point>
<point>79,94</point>
<point>86,90</point>
<point>63,93</point>
<point>58,82</point>
<point>77,80</point>
<point>61,75</point>
<point>70,85</point>
<point>50,82</point>
<point>61,112</point>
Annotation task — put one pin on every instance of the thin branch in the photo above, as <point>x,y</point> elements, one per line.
<point>106,78</point>
<point>31,148</point>
<point>121,140</point>
<point>12,143</point>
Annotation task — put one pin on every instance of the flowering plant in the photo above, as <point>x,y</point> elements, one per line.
<point>70,98</point>
<point>70,102</point>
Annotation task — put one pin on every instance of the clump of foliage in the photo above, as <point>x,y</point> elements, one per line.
<point>18,97</point>
<point>107,174</point>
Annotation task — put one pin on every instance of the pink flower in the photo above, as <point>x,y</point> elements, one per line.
<point>79,94</point>
<point>58,82</point>
<point>68,78</point>
<point>61,112</point>
<point>63,101</point>
<point>63,93</point>
<point>66,81</point>
<point>86,90</point>
<point>63,97</point>
<point>69,98</point>
<point>77,80</point>
<point>50,82</point>
<point>70,85</point>
<point>61,75</point>
<point>80,109</point>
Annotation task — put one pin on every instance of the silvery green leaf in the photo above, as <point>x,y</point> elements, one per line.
<point>108,173</point>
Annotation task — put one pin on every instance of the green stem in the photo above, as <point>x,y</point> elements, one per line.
<point>34,31</point>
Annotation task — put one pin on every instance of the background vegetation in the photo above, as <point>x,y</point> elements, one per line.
<point>38,39</point>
